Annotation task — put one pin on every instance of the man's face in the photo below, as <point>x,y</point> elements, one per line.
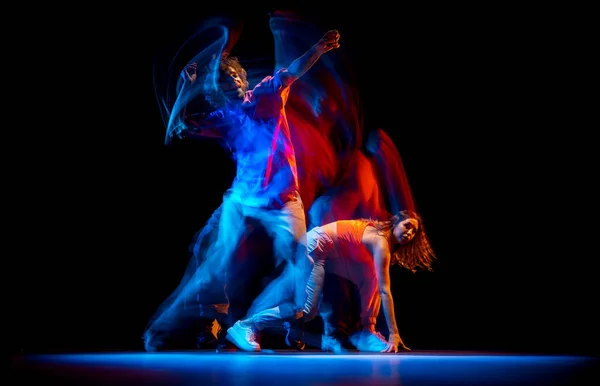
<point>231,83</point>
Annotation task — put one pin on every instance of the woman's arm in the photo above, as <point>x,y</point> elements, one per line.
<point>382,256</point>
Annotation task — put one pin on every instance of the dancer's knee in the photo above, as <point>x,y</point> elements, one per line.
<point>289,311</point>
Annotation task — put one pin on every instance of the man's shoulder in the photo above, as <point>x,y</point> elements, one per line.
<point>280,79</point>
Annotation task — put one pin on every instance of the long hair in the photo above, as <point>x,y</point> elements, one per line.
<point>418,253</point>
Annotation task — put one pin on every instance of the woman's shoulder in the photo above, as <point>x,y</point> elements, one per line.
<point>373,236</point>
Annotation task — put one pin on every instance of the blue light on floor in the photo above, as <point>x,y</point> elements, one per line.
<point>237,368</point>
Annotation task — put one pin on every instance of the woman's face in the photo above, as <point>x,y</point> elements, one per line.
<point>405,230</point>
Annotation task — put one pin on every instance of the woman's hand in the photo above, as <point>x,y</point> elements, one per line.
<point>395,343</point>
<point>391,347</point>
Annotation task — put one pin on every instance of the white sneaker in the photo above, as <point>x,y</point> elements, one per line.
<point>329,343</point>
<point>243,337</point>
<point>368,341</point>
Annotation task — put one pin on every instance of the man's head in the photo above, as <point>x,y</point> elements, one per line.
<point>228,82</point>
<point>232,77</point>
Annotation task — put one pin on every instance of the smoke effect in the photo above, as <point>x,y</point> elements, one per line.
<point>340,175</point>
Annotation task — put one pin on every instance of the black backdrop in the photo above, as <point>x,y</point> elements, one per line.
<point>107,211</point>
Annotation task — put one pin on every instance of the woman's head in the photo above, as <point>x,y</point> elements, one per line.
<point>406,226</point>
<point>410,246</point>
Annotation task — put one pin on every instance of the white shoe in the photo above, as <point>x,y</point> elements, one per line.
<point>243,337</point>
<point>329,343</point>
<point>368,341</point>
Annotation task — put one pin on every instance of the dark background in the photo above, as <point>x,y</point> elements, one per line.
<point>105,212</point>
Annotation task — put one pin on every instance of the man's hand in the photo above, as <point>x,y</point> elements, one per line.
<point>189,72</point>
<point>328,42</point>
